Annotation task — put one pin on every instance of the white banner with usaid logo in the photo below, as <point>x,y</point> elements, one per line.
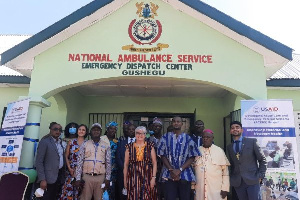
<point>271,118</point>
<point>11,135</point>
<point>271,122</point>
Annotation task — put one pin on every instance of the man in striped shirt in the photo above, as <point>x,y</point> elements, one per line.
<point>177,151</point>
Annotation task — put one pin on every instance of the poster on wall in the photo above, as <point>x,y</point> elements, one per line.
<point>11,135</point>
<point>297,129</point>
<point>271,122</point>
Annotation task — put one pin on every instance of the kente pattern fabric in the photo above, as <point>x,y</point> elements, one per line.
<point>177,150</point>
<point>158,159</point>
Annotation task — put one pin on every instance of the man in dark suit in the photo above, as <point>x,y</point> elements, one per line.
<point>50,162</point>
<point>120,156</point>
<point>248,164</point>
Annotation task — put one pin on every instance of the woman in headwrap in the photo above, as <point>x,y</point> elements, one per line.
<point>110,135</point>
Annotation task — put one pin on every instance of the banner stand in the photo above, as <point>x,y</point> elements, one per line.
<point>11,135</point>
<point>271,122</point>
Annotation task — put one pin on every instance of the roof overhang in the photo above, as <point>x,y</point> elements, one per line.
<point>21,57</point>
<point>14,80</point>
<point>281,83</point>
<point>154,87</point>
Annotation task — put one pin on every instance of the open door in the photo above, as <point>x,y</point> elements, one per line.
<point>4,111</point>
<point>139,118</point>
<point>233,116</point>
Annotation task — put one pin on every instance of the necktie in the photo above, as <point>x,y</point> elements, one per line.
<point>201,142</point>
<point>131,140</point>
<point>237,146</point>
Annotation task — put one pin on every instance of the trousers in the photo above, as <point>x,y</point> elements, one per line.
<point>174,189</point>
<point>92,187</point>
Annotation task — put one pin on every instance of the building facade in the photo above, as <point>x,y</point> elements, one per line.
<point>132,60</point>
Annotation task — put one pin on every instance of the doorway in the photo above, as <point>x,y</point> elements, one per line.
<point>141,118</point>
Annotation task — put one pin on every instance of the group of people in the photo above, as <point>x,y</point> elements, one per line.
<point>144,165</point>
<point>282,188</point>
<point>282,184</point>
<point>279,156</point>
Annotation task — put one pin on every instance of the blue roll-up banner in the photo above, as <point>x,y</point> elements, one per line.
<point>11,135</point>
<point>271,122</point>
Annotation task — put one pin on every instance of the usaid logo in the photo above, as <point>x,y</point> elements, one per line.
<point>256,109</point>
<point>19,109</point>
<point>265,109</point>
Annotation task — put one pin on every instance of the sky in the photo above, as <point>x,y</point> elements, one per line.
<point>277,19</point>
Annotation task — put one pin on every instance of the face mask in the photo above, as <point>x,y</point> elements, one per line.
<point>72,130</point>
<point>151,132</point>
<point>62,135</point>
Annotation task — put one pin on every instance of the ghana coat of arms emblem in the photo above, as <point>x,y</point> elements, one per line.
<point>145,30</point>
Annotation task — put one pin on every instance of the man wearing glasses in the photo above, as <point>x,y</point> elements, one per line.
<point>50,162</point>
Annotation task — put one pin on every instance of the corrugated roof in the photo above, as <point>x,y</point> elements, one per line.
<point>6,42</point>
<point>5,71</point>
<point>290,71</point>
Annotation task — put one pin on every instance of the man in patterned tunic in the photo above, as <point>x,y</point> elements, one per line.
<point>155,138</point>
<point>177,151</point>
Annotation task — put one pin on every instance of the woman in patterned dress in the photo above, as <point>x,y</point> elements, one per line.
<point>69,191</point>
<point>140,168</point>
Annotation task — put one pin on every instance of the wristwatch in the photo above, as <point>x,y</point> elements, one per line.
<point>181,169</point>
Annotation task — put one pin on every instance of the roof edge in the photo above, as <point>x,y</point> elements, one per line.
<point>240,28</point>
<point>198,5</point>
<point>15,79</point>
<point>283,82</point>
<point>52,30</point>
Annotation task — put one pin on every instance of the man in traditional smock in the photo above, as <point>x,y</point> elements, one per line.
<point>211,170</point>
<point>94,165</point>
<point>178,152</point>
<point>155,138</point>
